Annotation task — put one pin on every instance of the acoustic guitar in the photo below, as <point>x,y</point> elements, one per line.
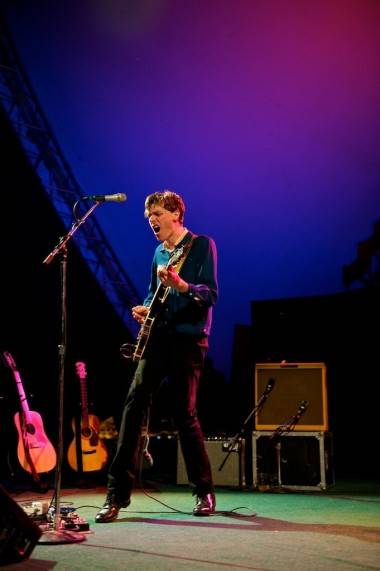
<point>35,452</point>
<point>135,351</point>
<point>87,452</point>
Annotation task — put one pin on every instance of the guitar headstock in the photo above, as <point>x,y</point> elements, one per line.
<point>80,368</point>
<point>9,360</point>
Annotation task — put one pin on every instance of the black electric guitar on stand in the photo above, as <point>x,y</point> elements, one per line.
<point>35,452</point>
<point>136,351</point>
<point>87,452</point>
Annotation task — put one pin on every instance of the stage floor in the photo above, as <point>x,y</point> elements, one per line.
<point>338,530</point>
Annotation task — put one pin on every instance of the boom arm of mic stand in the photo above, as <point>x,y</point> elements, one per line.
<point>63,240</point>
<point>239,434</point>
<point>289,425</point>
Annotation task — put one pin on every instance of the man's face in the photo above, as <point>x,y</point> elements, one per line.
<point>163,222</point>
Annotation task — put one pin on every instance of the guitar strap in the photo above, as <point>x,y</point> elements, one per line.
<point>187,249</point>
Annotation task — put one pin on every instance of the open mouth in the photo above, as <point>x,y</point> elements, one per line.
<point>156,228</point>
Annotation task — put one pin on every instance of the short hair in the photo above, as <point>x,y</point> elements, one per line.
<point>167,199</point>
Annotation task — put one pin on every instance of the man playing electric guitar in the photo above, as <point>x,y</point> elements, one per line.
<point>176,349</point>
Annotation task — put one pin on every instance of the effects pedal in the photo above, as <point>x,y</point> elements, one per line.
<point>36,510</point>
<point>70,520</point>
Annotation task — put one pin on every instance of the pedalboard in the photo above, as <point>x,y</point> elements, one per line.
<point>44,516</point>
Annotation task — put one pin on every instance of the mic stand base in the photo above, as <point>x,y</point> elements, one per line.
<point>54,537</point>
<point>277,490</point>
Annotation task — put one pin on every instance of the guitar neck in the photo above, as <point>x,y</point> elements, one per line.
<point>21,393</point>
<point>162,291</point>
<point>84,403</point>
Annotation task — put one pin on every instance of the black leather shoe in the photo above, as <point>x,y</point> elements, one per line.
<point>205,505</point>
<point>110,509</point>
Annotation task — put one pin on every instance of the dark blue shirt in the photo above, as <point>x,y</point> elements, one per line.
<point>191,312</point>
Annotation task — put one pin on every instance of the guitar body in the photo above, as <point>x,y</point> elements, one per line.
<point>94,453</point>
<point>34,450</point>
<point>143,337</point>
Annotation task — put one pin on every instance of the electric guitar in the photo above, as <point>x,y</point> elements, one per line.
<point>135,351</point>
<point>35,452</point>
<point>91,454</point>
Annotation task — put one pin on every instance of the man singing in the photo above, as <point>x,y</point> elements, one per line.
<point>176,349</point>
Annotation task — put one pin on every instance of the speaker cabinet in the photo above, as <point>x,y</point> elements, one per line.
<point>293,383</point>
<point>18,534</point>
<point>233,471</point>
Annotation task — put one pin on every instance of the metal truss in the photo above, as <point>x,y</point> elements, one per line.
<point>22,108</point>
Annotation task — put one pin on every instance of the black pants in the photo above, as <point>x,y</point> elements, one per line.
<point>180,359</point>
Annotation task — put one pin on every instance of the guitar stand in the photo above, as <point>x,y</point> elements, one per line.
<point>58,535</point>
<point>278,488</point>
<point>276,436</point>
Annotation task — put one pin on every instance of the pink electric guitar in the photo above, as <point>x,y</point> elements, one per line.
<point>35,452</point>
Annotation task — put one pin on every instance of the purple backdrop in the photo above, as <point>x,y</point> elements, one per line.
<point>263,114</point>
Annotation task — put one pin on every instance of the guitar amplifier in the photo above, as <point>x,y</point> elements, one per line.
<point>293,383</point>
<point>18,534</point>
<point>233,472</point>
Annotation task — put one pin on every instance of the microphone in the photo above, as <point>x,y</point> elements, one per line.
<point>269,386</point>
<point>119,197</point>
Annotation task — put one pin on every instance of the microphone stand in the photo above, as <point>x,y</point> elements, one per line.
<point>239,435</point>
<point>288,426</point>
<point>59,535</point>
